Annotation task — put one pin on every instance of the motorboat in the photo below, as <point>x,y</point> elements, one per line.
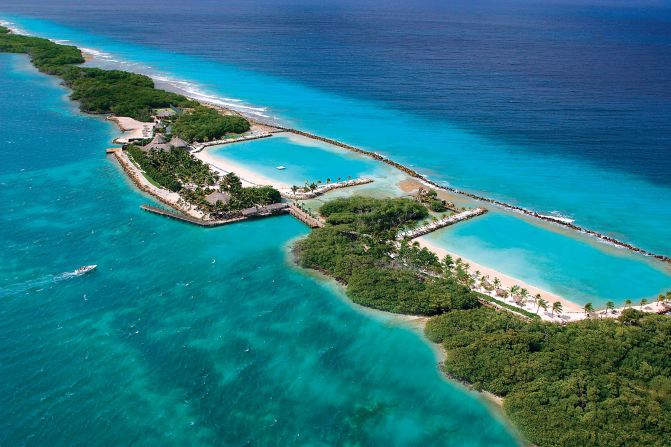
<point>85,269</point>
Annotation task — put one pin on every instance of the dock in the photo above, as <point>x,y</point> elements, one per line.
<point>304,217</point>
<point>322,189</point>
<point>248,213</point>
<point>441,223</point>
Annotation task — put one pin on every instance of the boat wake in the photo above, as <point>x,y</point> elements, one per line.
<point>37,284</point>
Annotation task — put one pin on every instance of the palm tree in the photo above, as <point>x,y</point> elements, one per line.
<point>589,308</point>
<point>312,186</point>
<point>668,295</point>
<point>627,303</point>
<point>524,294</point>
<point>448,262</point>
<point>541,303</point>
<point>644,301</point>
<point>660,299</point>
<point>497,282</point>
<point>515,294</point>
<point>328,180</point>
<point>610,306</point>
<point>557,308</point>
<point>294,188</point>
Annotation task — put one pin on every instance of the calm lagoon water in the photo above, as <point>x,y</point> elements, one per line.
<point>555,260</point>
<point>304,160</point>
<point>183,336</point>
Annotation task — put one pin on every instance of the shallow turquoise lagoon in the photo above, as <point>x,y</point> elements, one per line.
<point>304,160</point>
<point>555,261</point>
<point>618,203</point>
<point>184,335</point>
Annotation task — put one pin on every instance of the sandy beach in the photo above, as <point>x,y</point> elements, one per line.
<point>224,165</point>
<point>506,280</point>
<point>132,129</point>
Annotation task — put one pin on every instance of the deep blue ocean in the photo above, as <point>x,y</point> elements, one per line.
<point>187,336</point>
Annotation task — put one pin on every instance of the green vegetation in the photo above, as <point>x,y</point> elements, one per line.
<point>47,56</point>
<point>98,91</point>
<point>429,197</point>
<point>380,218</point>
<point>172,169</point>
<point>119,92</point>
<point>179,171</point>
<point>241,198</point>
<point>356,247</point>
<point>205,124</point>
<point>595,382</point>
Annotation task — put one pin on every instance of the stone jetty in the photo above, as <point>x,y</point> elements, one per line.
<point>440,223</point>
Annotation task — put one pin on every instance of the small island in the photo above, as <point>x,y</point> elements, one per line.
<point>604,380</point>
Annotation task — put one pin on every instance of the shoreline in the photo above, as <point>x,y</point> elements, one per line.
<point>415,323</point>
<point>226,165</point>
<point>507,281</point>
<point>571,311</point>
<point>171,199</point>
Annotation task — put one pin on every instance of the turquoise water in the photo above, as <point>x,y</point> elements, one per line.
<point>622,204</point>
<point>577,269</point>
<point>304,160</point>
<point>555,261</point>
<point>183,336</point>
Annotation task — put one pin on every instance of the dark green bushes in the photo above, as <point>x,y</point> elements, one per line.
<point>376,217</point>
<point>172,169</point>
<point>119,92</point>
<point>596,382</point>
<point>98,91</point>
<point>205,124</point>
<point>355,248</point>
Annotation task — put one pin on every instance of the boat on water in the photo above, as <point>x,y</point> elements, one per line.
<point>280,167</point>
<point>85,269</point>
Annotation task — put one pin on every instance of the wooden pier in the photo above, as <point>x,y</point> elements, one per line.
<point>304,217</point>
<point>248,213</point>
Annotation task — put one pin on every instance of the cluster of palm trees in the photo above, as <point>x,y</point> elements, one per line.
<point>519,294</point>
<point>312,186</point>
<point>662,299</point>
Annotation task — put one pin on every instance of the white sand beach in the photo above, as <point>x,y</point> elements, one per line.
<point>132,129</point>
<point>506,280</point>
<point>248,177</point>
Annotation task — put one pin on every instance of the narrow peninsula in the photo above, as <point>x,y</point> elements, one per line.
<point>604,380</point>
